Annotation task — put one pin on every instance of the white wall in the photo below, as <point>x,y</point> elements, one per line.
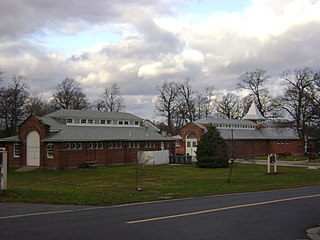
<point>154,157</point>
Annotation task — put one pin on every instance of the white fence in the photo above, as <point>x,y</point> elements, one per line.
<point>153,157</point>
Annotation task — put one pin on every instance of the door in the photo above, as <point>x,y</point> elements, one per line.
<point>191,145</point>
<point>33,149</point>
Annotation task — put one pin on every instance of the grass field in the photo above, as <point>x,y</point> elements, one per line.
<point>116,185</point>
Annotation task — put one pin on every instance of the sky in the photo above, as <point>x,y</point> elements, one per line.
<point>139,44</point>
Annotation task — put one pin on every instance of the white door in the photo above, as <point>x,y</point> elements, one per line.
<point>33,149</point>
<point>191,145</point>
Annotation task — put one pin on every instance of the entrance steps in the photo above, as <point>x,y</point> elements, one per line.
<point>26,169</point>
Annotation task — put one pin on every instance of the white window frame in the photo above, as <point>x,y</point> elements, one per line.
<point>50,150</point>
<point>69,120</point>
<point>16,150</point>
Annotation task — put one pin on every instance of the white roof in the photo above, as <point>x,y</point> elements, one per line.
<point>254,113</point>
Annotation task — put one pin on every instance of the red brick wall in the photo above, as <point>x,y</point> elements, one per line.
<point>33,124</point>
<point>286,147</point>
<point>246,148</point>
<point>66,158</point>
<point>13,161</point>
<point>184,132</point>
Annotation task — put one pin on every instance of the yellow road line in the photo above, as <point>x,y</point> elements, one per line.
<point>221,209</point>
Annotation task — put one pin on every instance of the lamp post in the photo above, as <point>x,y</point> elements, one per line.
<point>232,157</point>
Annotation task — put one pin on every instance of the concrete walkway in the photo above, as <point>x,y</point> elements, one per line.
<point>314,233</point>
<point>306,163</point>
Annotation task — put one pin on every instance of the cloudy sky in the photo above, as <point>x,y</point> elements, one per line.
<point>138,44</point>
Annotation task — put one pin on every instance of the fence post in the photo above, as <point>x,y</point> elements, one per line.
<point>3,172</point>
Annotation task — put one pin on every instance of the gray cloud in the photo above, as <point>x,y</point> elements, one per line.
<point>214,51</point>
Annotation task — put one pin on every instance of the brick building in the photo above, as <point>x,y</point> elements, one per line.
<point>67,138</point>
<point>250,136</point>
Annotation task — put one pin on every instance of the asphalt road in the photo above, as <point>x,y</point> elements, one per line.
<point>283,214</point>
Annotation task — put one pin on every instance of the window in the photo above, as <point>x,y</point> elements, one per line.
<point>74,146</point>
<point>109,121</point>
<point>126,122</point>
<point>16,150</point>
<point>50,150</point>
<point>136,123</point>
<point>69,120</point>
<point>83,121</point>
<point>177,143</point>
<point>120,122</point>
<point>90,121</point>
<point>102,121</point>
<point>79,145</point>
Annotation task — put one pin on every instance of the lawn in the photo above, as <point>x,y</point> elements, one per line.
<point>116,185</point>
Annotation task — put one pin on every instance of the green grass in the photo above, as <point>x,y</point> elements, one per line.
<point>116,185</point>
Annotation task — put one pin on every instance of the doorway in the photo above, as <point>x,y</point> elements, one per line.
<point>33,149</point>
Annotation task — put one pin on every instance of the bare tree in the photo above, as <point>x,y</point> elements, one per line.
<point>166,104</point>
<point>111,100</point>
<point>228,105</point>
<point>255,81</point>
<point>69,95</point>
<point>12,103</point>
<point>204,105</point>
<point>316,100</point>
<point>187,101</point>
<point>1,72</point>
<point>297,99</point>
<point>35,106</point>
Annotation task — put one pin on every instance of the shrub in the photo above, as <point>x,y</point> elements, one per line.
<point>212,150</point>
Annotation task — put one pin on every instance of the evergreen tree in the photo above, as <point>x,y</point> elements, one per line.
<point>212,150</point>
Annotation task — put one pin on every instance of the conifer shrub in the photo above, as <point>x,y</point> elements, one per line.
<point>212,150</point>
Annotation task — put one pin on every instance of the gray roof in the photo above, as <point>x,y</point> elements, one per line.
<point>96,133</point>
<point>280,133</point>
<point>71,113</point>
<point>242,134</point>
<point>10,139</point>
<point>62,133</point>
<point>261,134</point>
<point>214,120</point>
